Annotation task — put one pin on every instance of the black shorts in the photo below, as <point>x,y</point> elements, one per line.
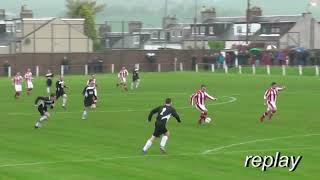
<point>88,102</point>
<point>160,129</point>
<point>49,82</point>
<point>42,110</point>
<point>60,93</point>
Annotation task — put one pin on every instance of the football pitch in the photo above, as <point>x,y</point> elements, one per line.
<point>108,144</point>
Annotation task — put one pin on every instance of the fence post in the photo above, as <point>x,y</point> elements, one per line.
<point>112,68</point>
<point>37,71</point>
<point>9,72</point>
<point>181,66</point>
<point>300,70</point>
<point>284,70</point>
<point>62,70</point>
<point>236,62</point>
<point>253,69</point>
<point>86,69</point>
<point>240,69</point>
<point>226,69</point>
<point>213,69</point>
<point>175,64</point>
<point>317,70</point>
<point>268,70</point>
<point>197,68</point>
<point>159,67</point>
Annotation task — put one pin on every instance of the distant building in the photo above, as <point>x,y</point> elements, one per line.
<point>42,35</point>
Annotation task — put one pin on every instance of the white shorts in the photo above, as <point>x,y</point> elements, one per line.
<point>201,107</point>
<point>18,88</point>
<point>29,85</point>
<point>271,106</point>
<point>123,80</point>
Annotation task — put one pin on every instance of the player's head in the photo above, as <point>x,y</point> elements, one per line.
<point>91,83</point>
<point>203,87</point>
<point>168,101</point>
<point>61,78</point>
<point>123,68</point>
<point>28,70</point>
<point>273,84</point>
<point>18,74</point>
<point>93,76</point>
<point>49,71</point>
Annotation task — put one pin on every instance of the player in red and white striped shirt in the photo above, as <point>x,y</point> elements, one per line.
<point>28,77</point>
<point>270,98</point>
<point>17,83</point>
<point>201,96</point>
<point>122,75</point>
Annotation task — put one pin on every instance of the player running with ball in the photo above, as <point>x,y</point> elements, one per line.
<point>270,99</point>
<point>90,94</point>
<point>164,113</point>
<point>201,96</point>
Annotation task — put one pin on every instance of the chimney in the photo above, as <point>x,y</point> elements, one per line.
<point>25,13</point>
<point>254,12</point>
<point>2,14</point>
<point>134,26</point>
<point>169,20</point>
<point>208,14</point>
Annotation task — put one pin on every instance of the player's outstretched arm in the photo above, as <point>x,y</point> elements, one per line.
<point>152,112</point>
<point>211,97</point>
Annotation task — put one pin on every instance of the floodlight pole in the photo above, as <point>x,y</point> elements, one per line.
<point>195,23</point>
<point>247,21</point>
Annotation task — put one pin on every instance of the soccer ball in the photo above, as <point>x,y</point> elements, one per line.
<point>207,120</point>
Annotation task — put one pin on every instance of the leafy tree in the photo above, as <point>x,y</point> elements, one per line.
<point>217,45</point>
<point>74,5</point>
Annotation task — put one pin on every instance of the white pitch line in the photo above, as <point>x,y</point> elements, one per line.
<point>231,100</point>
<point>255,141</point>
<point>149,156</point>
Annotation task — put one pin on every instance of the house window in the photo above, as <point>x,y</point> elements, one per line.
<point>194,30</point>
<point>275,30</point>
<point>180,33</point>
<point>239,29</point>
<point>173,33</point>
<point>211,30</point>
<point>9,27</point>
<point>136,40</point>
<point>202,30</point>
<point>154,35</point>
<point>162,35</point>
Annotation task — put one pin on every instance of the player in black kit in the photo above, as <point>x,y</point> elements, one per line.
<point>49,77</point>
<point>164,113</point>
<point>60,91</point>
<point>43,103</point>
<point>135,79</point>
<point>90,94</point>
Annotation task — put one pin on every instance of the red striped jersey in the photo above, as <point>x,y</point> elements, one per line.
<point>123,73</point>
<point>17,80</point>
<point>200,97</point>
<point>28,76</point>
<point>271,94</point>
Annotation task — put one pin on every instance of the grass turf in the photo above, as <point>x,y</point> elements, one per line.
<point>108,144</point>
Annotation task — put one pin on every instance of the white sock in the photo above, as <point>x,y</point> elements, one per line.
<point>64,100</point>
<point>43,118</point>
<point>163,141</point>
<point>48,90</point>
<point>147,146</point>
<point>84,114</point>
<point>137,84</point>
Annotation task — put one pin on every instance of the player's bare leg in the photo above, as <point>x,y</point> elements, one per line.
<point>64,101</point>
<point>272,113</point>
<point>163,142</point>
<point>148,144</point>
<point>203,116</point>
<point>265,114</point>
<point>17,95</point>
<point>29,91</point>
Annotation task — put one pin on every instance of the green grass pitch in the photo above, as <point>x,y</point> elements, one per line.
<point>108,144</point>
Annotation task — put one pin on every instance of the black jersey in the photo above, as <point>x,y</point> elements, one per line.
<point>164,114</point>
<point>60,86</point>
<point>89,92</point>
<point>44,102</point>
<point>135,75</point>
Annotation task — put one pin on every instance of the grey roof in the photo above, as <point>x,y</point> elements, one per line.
<point>257,19</point>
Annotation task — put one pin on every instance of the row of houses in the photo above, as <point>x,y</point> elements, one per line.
<point>64,35</point>
<point>282,31</point>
